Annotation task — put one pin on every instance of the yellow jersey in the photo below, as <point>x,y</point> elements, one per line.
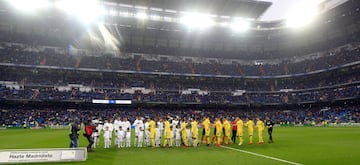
<point>206,123</point>
<point>227,125</point>
<point>250,125</point>
<point>152,128</point>
<point>167,129</point>
<point>194,128</point>
<point>183,129</point>
<point>218,127</point>
<point>239,126</point>
<point>152,125</point>
<point>260,125</point>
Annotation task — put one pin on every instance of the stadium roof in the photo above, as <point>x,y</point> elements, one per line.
<point>252,9</point>
<point>280,8</point>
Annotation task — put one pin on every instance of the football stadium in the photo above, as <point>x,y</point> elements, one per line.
<point>207,82</point>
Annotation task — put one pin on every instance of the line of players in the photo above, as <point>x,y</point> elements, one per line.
<point>179,133</point>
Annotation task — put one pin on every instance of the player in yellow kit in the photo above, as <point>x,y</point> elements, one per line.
<point>194,132</point>
<point>227,129</point>
<point>240,130</point>
<point>206,124</point>
<point>152,132</point>
<point>183,132</point>
<point>260,128</point>
<point>250,125</point>
<point>219,128</point>
<point>168,133</point>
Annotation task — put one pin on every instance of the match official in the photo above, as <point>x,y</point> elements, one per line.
<point>269,125</point>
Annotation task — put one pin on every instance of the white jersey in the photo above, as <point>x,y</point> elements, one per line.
<point>157,133</point>
<point>174,123</point>
<point>120,134</point>
<point>188,133</point>
<point>160,125</point>
<point>142,126</point>
<point>146,125</point>
<point>107,134</point>
<point>117,124</point>
<point>100,127</point>
<point>126,125</point>
<point>141,134</point>
<point>128,135</point>
<point>109,125</point>
<point>137,124</point>
<point>177,133</point>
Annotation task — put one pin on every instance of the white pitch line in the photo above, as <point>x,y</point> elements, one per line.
<point>260,155</point>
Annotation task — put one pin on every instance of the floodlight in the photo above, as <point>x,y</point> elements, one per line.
<point>240,25</point>
<point>301,15</point>
<point>141,15</point>
<point>27,5</point>
<point>155,17</point>
<point>195,20</point>
<point>87,10</point>
<point>113,12</point>
<point>124,14</point>
<point>224,24</point>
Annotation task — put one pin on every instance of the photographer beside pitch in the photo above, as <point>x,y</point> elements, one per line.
<point>74,134</point>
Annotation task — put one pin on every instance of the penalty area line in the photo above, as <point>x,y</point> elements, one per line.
<point>260,155</point>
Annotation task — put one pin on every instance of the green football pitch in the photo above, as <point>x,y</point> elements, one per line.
<point>293,145</point>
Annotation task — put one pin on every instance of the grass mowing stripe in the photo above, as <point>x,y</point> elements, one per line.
<point>260,155</point>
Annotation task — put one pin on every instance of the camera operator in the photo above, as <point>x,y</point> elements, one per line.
<point>74,134</point>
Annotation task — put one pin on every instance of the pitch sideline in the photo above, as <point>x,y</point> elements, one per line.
<point>260,155</point>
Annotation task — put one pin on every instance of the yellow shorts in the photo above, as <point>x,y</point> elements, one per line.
<point>239,133</point>
<point>207,132</point>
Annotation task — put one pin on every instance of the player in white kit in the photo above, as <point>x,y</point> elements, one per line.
<point>140,136</point>
<point>147,132</point>
<point>107,137</point>
<point>110,127</point>
<point>189,134</point>
<point>157,135</point>
<point>128,137</point>
<point>137,124</point>
<point>120,137</point>
<point>174,124</point>
<point>117,124</point>
<point>177,135</point>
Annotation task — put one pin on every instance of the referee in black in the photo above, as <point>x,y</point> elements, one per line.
<point>269,125</point>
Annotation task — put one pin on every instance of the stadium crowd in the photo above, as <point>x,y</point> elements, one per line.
<point>23,55</point>
<point>50,93</point>
<point>102,80</point>
<point>62,116</point>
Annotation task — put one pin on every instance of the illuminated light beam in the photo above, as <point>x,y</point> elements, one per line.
<point>110,42</point>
